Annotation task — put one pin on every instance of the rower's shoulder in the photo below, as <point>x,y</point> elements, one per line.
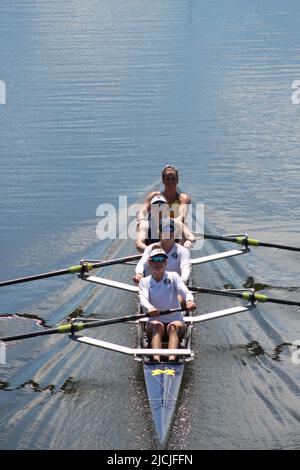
<point>181,248</point>
<point>184,198</point>
<point>148,250</point>
<point>172,275</point>
<point>145,281</point>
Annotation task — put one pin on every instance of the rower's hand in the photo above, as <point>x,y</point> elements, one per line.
<point>187,244</point>
<point>137,278</point>
<point>190,305</point>
<point>153,313</point>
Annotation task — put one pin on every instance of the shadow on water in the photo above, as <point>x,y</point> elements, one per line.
<point>27,316</point>
<point>257,286</point>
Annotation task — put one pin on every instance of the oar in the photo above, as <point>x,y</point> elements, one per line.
<point>70,270</point>
<point>242,240</point>
<point>73,327</point>
<point>246,295</point>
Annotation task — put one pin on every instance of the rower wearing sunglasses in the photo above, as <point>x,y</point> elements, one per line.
<point>158,292</point>
<point>168,203</point>
<point>178,256</point>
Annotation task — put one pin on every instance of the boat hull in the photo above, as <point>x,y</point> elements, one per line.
<point>163,384</point>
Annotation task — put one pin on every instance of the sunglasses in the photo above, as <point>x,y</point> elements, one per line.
<point>158,259</point>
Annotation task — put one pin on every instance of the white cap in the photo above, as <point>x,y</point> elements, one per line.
<point>158,251</point>
<point>158,200</point>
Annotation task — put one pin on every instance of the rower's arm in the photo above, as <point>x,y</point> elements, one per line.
<point>144,296</point>
<point>183,290</point>
<point>140,245</point>
<point>140,267</point>
<point>184,235</point>
<point>185,265</point>
<point>142,235</point>
<point>183,209</point>
<point>187,234</point>
<point>142,213</point>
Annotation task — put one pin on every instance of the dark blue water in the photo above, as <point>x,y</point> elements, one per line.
<point>100,96</point>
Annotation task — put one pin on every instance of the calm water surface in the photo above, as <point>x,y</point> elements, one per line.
<point>100,96</point>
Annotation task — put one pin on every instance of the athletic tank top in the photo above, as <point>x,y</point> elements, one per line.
<point>174,207</point>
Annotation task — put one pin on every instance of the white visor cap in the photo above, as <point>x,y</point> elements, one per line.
<point>158,252</point>
<point>158,200</point>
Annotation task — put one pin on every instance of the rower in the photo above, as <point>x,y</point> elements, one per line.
<point>158,206</point>
<point>158,292</point>
<point>178,256</point>
<point>148,227</point>
<point>178,202</point>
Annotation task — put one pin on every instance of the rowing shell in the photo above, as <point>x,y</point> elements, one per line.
<point>162,380</point>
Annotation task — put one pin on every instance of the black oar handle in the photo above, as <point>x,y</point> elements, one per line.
<point>74,327</point>
<point>225,293</point>
<point>34,277</point>
<point>111,321</point>
<point>283,302</point>
<point>246,295</point>
<point>134,317</point>
<point>70,270</point>
<point>247,241</point>
<point>31,335</point>
<point>219,237</point>
<point>280,247</point>
<point>116,261</point>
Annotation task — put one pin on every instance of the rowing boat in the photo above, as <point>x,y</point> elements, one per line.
<point>163,380</point>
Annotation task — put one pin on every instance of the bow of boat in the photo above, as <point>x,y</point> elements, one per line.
<point>163,384</point>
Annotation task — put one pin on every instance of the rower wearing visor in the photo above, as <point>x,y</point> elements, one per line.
<point>158,211</point>
<point>178,256</point>
<point>158,292</point>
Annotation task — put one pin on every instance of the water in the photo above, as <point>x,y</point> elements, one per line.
<point>100,96</point>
